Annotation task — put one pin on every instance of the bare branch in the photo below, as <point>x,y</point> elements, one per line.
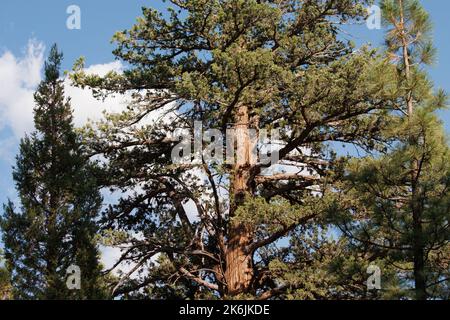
<point>200,281</point>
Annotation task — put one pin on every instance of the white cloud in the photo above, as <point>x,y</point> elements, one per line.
<point>110,256</point>
<point>85,106</point>
<point>19,77</point>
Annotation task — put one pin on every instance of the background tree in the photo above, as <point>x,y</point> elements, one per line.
<point>55,227</point>
<point>397,204</point>
<point>236,229</point>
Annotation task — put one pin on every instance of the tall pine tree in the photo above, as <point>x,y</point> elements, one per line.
<point>397,205</point>
<point>214,229</point>
<point>55,226</point>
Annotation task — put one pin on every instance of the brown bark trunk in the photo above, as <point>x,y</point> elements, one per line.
<point>418,246</point>
<point>239,262</point>
<point>409,98</point>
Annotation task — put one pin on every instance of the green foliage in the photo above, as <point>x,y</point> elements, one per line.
<point>284,61</point>
<point>55,225</point>
<point>5,280</point>
<point>410,16</point>
<point>311,224</point>
<point>395,205</point>
<point>377,202</point>
<point>306,228</point>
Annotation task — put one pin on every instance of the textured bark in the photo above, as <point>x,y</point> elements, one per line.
<point>239,261</point>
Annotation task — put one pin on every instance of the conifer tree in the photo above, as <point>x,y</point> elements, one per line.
<point>55,226</point>
<point>209,229</point>
<point>401,211</point>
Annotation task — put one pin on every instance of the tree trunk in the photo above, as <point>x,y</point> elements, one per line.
<point>419,261</point>
<point>418,247</point>
<point>406,61</point>
<point>239,262</point>
<point>420,285</point>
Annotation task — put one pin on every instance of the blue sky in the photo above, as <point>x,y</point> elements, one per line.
<point>45,22</point>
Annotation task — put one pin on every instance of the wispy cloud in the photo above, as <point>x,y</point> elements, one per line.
<point>19,77</point>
